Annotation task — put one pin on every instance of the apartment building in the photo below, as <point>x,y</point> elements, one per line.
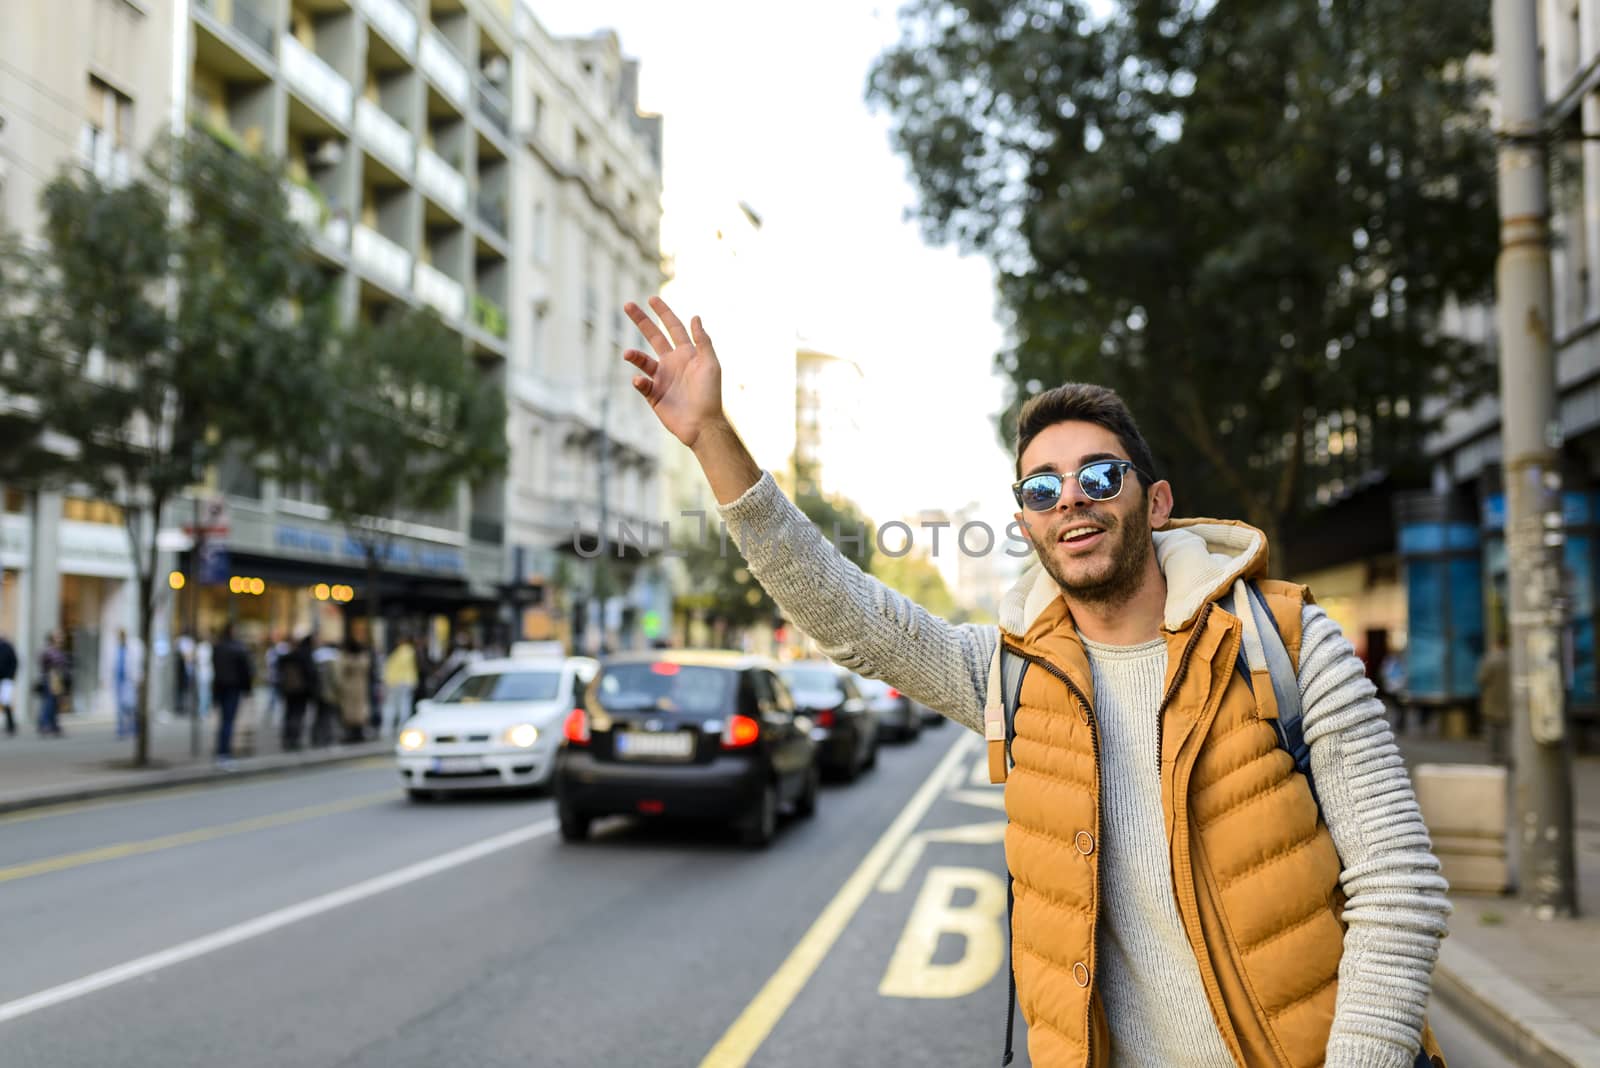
<point>829,413</point>
<point>586,452</point>
<point>406,127</point>
<point>82,83</point>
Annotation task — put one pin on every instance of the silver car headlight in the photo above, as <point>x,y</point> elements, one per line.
<point>523,735</point>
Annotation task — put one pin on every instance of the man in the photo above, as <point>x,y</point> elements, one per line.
<point>55,683</point>
<point>297,676</point>
<point>1494,700</point>
<point>127,671</point>
<point>8,683</point>
<point>399,684</point>
<point>232,676</point>
<point>1178,900</point>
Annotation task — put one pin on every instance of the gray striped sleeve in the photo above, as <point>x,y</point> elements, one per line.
<point>1396,909</point>
<point>856,620</point>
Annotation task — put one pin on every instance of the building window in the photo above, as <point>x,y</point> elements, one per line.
<point>87,510</point>
<point>106,140</point>
<point>536,330</point>
<point>538,113</point>
<point>541,234</point>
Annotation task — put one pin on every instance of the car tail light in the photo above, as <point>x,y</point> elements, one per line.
<point>576,729</point>
<point>740,732</point>
<point>652,808</point>
<point>664,667</point>
<point>893,692</point>
<point>825,718</point>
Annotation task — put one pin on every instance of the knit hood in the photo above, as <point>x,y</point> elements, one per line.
<point>1201,559</point>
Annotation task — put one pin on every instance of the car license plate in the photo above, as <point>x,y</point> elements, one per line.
<point>676,745</point>
<point>466,763</point>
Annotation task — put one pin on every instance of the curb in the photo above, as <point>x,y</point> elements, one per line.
<point>1525,1025</point>
<point>144,782</point>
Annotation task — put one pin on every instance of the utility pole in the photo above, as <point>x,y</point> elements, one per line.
<point>602,585</point>
<point>1530,438</point>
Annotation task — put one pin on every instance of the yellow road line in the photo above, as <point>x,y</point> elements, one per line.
<point>203,834</point>
<point>67,808</point>
<point>759,1017</point>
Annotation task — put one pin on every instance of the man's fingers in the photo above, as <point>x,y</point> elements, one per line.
<point>642,361</point>
<point>674,325</point>
<point>647,326</point>
<point>702,339</point>
<point>643,385</point>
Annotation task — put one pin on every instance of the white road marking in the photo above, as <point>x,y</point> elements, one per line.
<point>272,921</point>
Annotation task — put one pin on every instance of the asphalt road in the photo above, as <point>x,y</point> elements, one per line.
<point>322,920</point>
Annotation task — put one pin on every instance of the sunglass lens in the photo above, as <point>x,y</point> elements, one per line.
<point>1041,492</point>
<point>1101,482</point>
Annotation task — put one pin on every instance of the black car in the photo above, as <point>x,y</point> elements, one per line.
<point>844,725</point>
<point>673,733</point>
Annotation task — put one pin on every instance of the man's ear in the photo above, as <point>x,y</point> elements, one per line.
<point>1160,504</point>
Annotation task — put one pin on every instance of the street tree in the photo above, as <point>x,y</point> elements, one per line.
<point>161,324</point>
<point>1251,219</point>
<point>915,575</point>
<point>409,421</point>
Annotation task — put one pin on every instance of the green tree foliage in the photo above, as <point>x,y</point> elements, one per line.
<point>408,419</point>
<point>1247,217</point>
<point>159,323</point>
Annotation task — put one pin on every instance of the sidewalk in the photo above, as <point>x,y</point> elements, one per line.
<point>91,761</point>
<point>1534,984</point>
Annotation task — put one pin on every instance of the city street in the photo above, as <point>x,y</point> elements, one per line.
<point>322,920</point>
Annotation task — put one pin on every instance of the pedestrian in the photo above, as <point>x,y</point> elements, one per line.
<point>324,658</point>
<point>204,676</point>
<point>354,670</point>
<point>53,684</point>
<point>274,704</point>
<point>8,683</point>
<point>399,684</point>
<point>127,672</point>
<point>1179,898</point>
<point>297,676</point>
<point>232,676</point>
<point>183,672</point>
<point>1494,701</point>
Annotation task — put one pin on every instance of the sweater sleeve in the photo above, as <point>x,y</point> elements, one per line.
<point>1396,906</point>
<point>857,621</point>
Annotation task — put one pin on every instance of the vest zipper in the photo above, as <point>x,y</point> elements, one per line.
<point>1094,745</point>
<point>1177,679</point>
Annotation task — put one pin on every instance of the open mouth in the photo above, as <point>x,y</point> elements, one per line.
<point>1081,537</point>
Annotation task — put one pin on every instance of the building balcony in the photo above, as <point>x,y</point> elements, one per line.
<point>446,69</point>
<point>394,22</point>
<point>442,182</point>
<point>493,106</point>
<point>317,82</point>
<point>489,316</point>
<point>246,17</point>
<point>382,259</point>
<point>391,141</point>
<point>492,213</point>
<point>310,210</point>
<point>440,292</point>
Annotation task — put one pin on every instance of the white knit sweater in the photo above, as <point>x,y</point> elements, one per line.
<point>1396,898</point>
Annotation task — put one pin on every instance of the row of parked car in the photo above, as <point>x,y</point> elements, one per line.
<point>680,733</point>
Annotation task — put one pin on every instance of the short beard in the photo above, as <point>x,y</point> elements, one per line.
<point>1129,560</point>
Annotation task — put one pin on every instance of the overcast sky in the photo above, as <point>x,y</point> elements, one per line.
<point>765,101</point>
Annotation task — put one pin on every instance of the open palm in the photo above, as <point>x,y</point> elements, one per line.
<point>683,381</point>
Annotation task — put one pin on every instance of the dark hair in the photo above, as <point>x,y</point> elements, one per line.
<point>1083,403</point>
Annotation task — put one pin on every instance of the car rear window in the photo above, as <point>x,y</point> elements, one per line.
<point>873,687</point>
<point>810,678</point>
<point>665,687</point>
<point>506,686</point>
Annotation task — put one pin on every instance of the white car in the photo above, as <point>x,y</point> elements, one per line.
<point>496,725</point>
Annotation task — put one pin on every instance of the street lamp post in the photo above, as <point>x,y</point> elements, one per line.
<point>1530,438</point>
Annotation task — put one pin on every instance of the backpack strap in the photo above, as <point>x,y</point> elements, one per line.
<point>1265,665</point>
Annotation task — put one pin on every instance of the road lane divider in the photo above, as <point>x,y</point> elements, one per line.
<point>272,921</point>
<point>756,1022</point>
<point>101,854</point>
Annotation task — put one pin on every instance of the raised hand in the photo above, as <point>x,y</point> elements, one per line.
<point>683,381</point>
